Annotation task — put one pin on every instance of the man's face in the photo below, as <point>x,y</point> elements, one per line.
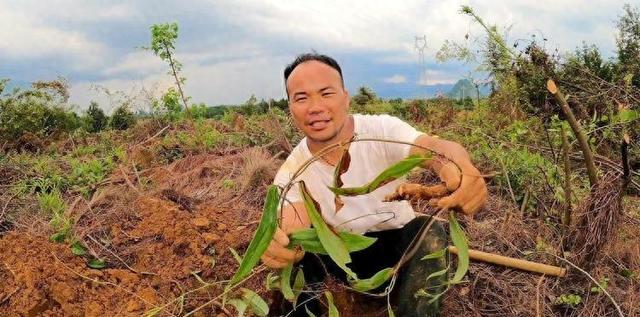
<point>318,101</point>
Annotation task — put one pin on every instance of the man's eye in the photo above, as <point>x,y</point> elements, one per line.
<point>327,94</point>
<point>301,99</point>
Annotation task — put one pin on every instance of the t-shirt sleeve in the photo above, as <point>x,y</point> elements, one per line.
<point>283,177</point>
<point>394,128</point>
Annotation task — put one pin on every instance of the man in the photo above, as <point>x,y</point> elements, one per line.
<point>319,105</point>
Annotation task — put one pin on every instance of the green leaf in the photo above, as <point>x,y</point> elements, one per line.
<point>309,241</point>
<point>435,255</point>
<point>333,311</point>
<point>437,274</point>
<point>58,237</point>
<point>78,249</point>
<point>627,115</point>
<point>298,285</point>
<point>240,305</point>
<point>390,310</point>
<point>285,282</point>
<point>272,281</point>
<point>330,241</point>
<point>262,238</point>
<point>375,281</point>
<point>460,241</point>
<point>388,175</point>
<point>309,313</point>
<point>257,305</point>
<point>235,255</point>
<point>97,264</point>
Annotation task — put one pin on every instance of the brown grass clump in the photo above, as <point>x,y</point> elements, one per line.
<point>257,171</point>
<point>598,218</point>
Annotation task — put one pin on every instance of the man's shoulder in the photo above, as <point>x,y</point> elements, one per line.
<point>296,158</point>
<point>375,124</point>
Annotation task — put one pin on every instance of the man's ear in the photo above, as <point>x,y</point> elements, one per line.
<point>346,94</point>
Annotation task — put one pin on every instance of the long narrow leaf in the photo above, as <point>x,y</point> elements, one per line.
<point>460,241</point>
<point>330,241</point>
<point>333,310</point>
<point>435,255</point>
<point>309,313</point>
<point>262,237</point>
<point>257,305</point>
<point>388,175</point>
<point>298,285</point>
<point>309,241</point>
<point>285,282</point>
<point>375,281</point>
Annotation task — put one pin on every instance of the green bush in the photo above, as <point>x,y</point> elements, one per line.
<point>95,120</point>
<point>39,111</point>
<point>122,118</point>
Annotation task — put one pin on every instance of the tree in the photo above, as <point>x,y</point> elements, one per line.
<point>122,118</point>
<point>163,37</point>
<point>628,43</point>
<point>95,119</point>
<point>365,95</point>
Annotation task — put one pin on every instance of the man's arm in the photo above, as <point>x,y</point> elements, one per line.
<point>457,171</point>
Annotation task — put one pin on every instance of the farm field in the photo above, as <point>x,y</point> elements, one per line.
<point>164,209</point>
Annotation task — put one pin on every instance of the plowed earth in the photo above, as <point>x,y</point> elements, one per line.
<point>164,233</point>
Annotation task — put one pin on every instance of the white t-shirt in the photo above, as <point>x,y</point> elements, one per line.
<point>364,213</point>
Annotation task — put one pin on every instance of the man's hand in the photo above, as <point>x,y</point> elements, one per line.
<point>470,190</point>
<point>454,167</point>
<point>277,255</point>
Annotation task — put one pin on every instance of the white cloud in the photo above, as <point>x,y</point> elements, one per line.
<point>435,77</point>
<point>24,38</point>
<point>395,79</point>
<point>254,39</point>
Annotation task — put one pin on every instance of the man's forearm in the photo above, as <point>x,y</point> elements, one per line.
<point>294,218</point>
<point>443,151</point>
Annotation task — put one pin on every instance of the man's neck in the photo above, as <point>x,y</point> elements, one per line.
<point>345,134</point>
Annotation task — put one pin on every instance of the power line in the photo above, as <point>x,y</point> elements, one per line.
<point>420,45</point>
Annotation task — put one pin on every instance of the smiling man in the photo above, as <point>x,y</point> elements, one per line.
<point>319,105</point>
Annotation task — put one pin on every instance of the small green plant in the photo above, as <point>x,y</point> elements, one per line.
<point>53,205</point>
<point>571,300</point>
<point>228,184</point>
<point>163,39</point>
<point>602,284</point>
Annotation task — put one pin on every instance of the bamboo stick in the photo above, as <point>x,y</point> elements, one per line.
<point>513,262</point>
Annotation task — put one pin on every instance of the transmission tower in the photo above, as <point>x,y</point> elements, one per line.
<point>420,45</point>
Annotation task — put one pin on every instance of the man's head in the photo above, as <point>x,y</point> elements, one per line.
<point>318,101</point>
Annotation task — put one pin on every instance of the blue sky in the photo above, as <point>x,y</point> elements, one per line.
<point>232,49</point>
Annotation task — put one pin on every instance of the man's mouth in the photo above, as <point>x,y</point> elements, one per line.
<point>319,124</point>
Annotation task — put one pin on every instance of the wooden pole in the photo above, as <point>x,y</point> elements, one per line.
<point>513,262</point>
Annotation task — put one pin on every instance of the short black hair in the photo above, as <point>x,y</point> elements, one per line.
<point>307,57</point>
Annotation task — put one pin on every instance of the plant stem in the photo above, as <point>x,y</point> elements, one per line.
<point>577,130</point>
<point>175,75</point>
<point>566,218</point>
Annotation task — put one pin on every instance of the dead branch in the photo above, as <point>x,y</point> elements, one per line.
<point>577,130</point>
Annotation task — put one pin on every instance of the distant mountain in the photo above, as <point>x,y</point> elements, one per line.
<point>465,88</point>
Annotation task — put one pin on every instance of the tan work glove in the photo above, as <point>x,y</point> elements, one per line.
<point>277,255</point>
<point>468,186</point>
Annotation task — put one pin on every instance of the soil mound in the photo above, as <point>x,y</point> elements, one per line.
<point>165,234</point>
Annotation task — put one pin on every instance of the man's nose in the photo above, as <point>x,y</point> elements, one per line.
<point>317,105</point>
